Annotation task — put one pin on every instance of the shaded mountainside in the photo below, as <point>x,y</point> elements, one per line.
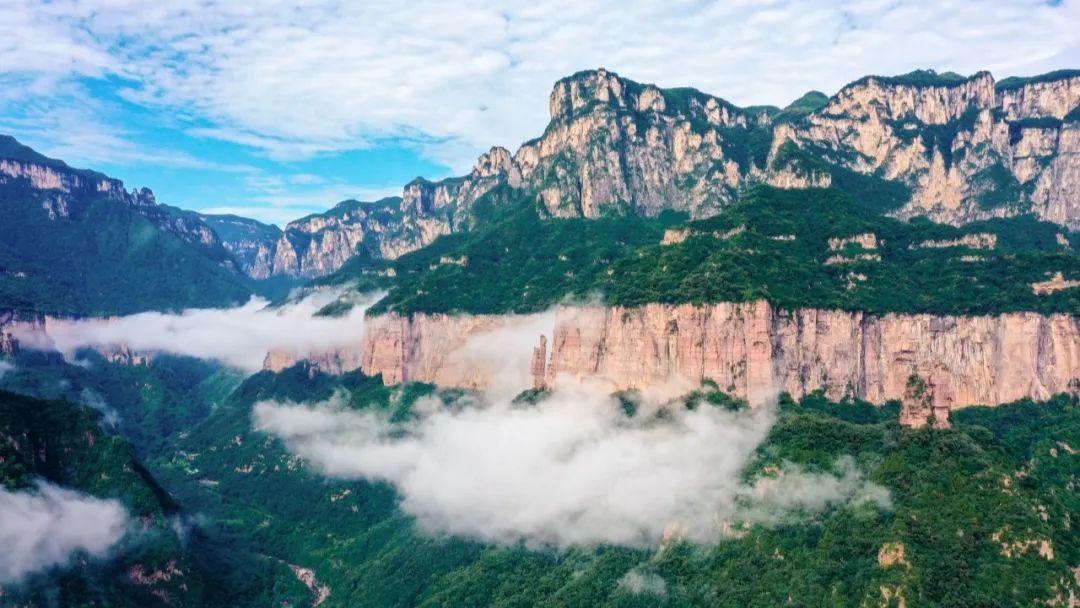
<point>169,556</point>
<point>62,443</point>
<point>76,242</point>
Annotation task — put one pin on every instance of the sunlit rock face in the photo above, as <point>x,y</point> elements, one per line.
<point>751,350</point>
<point>966,148</point>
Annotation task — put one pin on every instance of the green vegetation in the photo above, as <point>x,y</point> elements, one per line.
<point>63,444</point>
<point>809,103</point>
<point>515,251</point>
<point>153,402</point>
<point>999,187</point>
<point>1016,82</point>
<point>524,263</point>
<point>949,503</point>
<point>965,503</point>
<point>107,258</point>
<point>920,78</point>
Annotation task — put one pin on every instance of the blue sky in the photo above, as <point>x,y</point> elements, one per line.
<point>278,108</point>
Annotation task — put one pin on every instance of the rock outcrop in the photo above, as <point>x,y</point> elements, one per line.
<point>968,149</point>
<point>754,350</point>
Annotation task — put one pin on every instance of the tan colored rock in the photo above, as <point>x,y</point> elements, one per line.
<point>893,554</point>
<point>539,365</point>
<point>928,401</point>
<point>1055,283</point>
<point>833,260</point>
<point>674,236</point>
<point>752,350</point>
<point>981,240</point>
<point>866,240</point>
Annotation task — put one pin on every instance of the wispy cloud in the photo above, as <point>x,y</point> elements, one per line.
<point>456,78</point>
<point>44,527</point>
<point>239,337</point>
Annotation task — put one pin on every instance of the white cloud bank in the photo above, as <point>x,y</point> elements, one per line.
<point>571,470</point>
<point>43,528</point>
<point>240,337</point>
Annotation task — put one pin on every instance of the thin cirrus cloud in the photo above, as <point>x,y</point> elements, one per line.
<point>322,74</point>
<point>291,81</point>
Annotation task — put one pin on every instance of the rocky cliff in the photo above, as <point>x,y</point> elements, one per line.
<point>967,148</point>
<point>318,244</point>
<point>751,350</point>
<point>960,149</point>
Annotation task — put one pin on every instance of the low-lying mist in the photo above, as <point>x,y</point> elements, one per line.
<point>44,527</point>
<point>239,337</point>
<point>572,469</point>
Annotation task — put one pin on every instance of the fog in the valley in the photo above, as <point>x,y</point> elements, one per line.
<point>44,527</point>
<point>573,469</point>
<point>239,337</point>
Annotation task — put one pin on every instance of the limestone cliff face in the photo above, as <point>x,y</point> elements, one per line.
<point>319,244</point>
<point>315,245</point>
<point>614,145</point>
<point>968,150</point>
<point>753,350</point>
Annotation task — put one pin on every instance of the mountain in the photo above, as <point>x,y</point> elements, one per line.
<point>76,242</point>
<point>955,149</point>
<point>315,245</point>
<point>362,550</point>
<point>248,240</point>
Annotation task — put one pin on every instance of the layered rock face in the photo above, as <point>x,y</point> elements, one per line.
<point>249,241</point>
<point>319,244</point>
<point>968,149</point>
<point>614,145</point>
<point>752,350</point>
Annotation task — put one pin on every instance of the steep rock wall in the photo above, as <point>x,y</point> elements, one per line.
<point>751,350</point>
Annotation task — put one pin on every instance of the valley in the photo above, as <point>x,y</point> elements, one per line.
<point>671,352</point>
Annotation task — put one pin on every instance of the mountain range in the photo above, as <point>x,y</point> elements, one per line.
<point>873,297</point>
<point>953,149</point>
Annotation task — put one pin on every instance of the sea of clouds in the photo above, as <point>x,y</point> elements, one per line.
<point>573,469</point>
